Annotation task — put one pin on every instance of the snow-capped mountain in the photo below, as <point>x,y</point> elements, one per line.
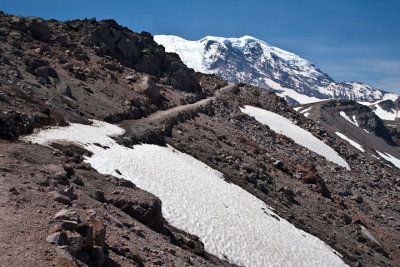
<point>253,61</point>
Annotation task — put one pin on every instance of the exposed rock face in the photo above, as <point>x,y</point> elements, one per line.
<point>142,53</point>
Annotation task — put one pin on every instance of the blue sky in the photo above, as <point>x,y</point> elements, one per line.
<point>352,40</point>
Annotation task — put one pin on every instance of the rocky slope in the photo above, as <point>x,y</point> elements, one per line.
<point>52,73</point>
<point>253,61</point>
<point>358,121</point>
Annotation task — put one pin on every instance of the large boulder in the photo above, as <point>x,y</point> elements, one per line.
<point>148,87</point>
<point>63,89</point>
<point>39,29</point>
<point>148,212</point>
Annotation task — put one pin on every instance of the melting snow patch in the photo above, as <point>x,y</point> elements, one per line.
<point>353,121</point>
<point>281,125</point>
<point>390,158</point>
<point>305,110</point>
<point>231,222</point>
<point>351,142</point>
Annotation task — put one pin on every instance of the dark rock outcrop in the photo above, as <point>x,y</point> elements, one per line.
<point>142,53</point>
<point>148,213</point>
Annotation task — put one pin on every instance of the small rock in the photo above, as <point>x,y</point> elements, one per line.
<point>75,242</point>
<point>346,218</point>
<point>64,252</point>
<point>87,89</point>
<point>68,66</point>
<point>99,196</point>
<point>55,239</point>
<point>131,78</point>
<point>99,232</point>
<point>63,89</point>
<point>69,215</point>
<point>78,181</point>
<point>69,225</point>
<point>82,256</point>
<point>97,256</point>
<point>56,171</point>
<point>358,199</point>
<point>4,98</point>
<point>88,245</point>
<point>57,196</point>
<point>126,183</point>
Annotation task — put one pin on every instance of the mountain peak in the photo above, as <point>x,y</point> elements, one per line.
<point>251,60</point>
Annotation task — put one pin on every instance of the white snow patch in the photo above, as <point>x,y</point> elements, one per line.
<point>305,110</point>
<point>385,115</point>
<point>353,121</point>
<point>231,222</point>
<point>306,114</point>
<point>350,141</point>
<point>287,92</point>
<point>380,112</point>
<point>390,158</point>
<point>282,125</point>
<point>375,157</point>
<point>297,108</point>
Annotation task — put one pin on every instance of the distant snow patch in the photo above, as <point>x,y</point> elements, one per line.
<point>380,112</point>
<point>353,121</point>
<point>287,92</point>
<point>232,223</point>
<point>305,110</point>
<point>390,158</point>
<point>281,125</point>
<point>351,142</point>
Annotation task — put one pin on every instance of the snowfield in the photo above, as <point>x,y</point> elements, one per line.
<point>282,125</point>
<point>351,142</point>
<point>232,223</point>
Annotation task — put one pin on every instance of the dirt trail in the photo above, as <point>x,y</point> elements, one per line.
<point>160,115</point>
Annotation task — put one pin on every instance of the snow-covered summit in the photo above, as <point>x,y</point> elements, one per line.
<point>250,60</point>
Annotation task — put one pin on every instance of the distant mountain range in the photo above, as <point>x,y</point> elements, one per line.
<point>250,60</point>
